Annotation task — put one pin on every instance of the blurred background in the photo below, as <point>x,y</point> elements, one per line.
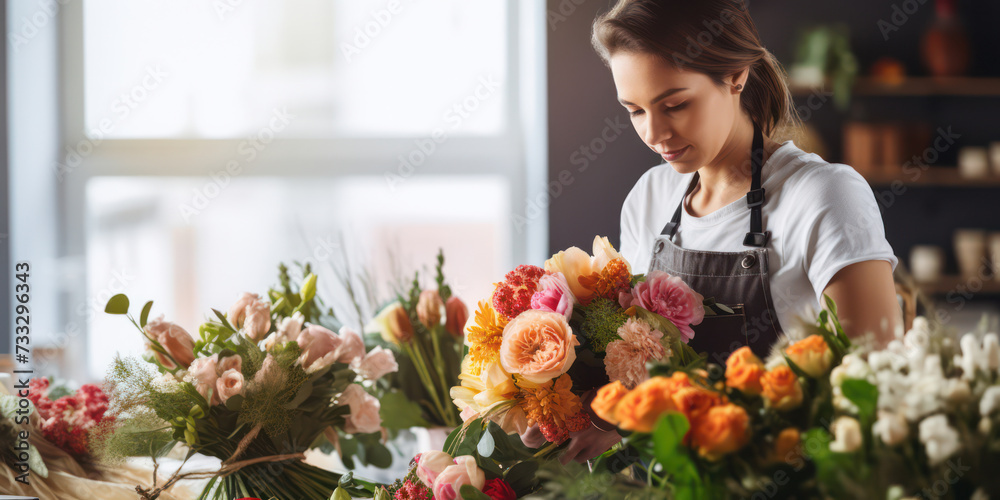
<point>178,151</point>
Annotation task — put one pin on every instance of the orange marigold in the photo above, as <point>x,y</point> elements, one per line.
<point>484,337</point>
<point>614,278</point>
<point>552,402</point>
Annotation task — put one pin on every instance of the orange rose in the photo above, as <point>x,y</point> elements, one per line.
<point>722,430</point>
<point>781,388</point>
<point>812,355</point>
<point>538,346</point>
<point>606,400</point>
<point>694,403</point>
<point>785,445</point>
<point>743,371</point>
<point>640,409</point>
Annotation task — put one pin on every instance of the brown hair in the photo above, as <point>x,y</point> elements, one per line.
<point>714,37</point>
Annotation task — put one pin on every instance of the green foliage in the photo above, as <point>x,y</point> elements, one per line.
<point>601,321</point>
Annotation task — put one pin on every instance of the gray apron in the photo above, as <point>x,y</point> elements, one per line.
<point>739,280</point>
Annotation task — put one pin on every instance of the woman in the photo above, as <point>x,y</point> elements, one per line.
<point>759,225</point>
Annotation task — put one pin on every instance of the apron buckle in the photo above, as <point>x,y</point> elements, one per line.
<point>757,239</point>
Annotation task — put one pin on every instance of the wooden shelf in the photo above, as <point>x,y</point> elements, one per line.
<point>918,86</point>
<point>961,286</point>
<point>932,177</point>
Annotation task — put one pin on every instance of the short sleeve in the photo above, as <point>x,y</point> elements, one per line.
<point>839,224</point>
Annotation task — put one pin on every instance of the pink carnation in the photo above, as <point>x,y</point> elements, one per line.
<point>669,297</point>
<point>553,295</point>
<point>626,359</point>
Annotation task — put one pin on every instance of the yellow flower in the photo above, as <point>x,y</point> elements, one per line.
<point>812,355</point>
<point>479,393</point>
<point>604,253</point>
<point>574,263</point>
<point>484,337</point>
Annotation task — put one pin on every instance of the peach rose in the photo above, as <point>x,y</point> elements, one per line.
<point>429,306</point>
<point>743,371</point>
<point>781,388</point>
<point>450,481</point>
<point>203,373</point>
<point>722,430</point>
<point>229,384</point>
<point>364,410</point>
<point>352,346</point>
<point>432,463</point>
<point>607,399</point>
<point>640,409</point>
<point>812,355</point>
<point>457,314</point>
<point>258,320</point>
<point>574,263</point>
<point>375,364</point>
<point>538,345</point>
<point>318,345</point>
<point>175,340</point>
<point>234,362</point>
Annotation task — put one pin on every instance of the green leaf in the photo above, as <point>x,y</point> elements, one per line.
<point>399,412</point>
<point>379,456</point>
<point>486,445</point>
<point>235,402</point>
<point>117,304</point>
<point>863,394</point>
<point>223,320</point>
<point>8,406</point>
<point>145,313</point>
<point>35,462</point>
<point>521,477</point>
<point>469,492</point>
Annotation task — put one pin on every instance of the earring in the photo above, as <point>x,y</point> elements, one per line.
<point>739,87</point>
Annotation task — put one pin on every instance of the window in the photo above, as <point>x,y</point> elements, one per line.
<point>205,142</point>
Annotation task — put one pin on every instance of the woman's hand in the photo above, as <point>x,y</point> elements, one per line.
<point>589,443</point>
<point>533,438</point>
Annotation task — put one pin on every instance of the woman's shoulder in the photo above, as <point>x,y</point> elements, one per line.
<point>806,175</point>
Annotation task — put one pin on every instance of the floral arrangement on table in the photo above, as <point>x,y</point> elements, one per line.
<point>424,329</point>
<point>821,418</point>
<point>537,348</point>
<point>260,386</point>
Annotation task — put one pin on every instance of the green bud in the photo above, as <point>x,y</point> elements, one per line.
<point>191,438</point>
<point>308,290</point>
<point>382,494</point>
<point>196,412</point>
<point>191,427</point>
<point>340,494</point>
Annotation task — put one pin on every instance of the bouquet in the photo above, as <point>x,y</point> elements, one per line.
<point>544,340</point>
<point>424,329</point>
<point>821,418</point>
<point>261,385</point>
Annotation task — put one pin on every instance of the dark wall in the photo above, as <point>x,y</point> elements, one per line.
<point>582,100</point>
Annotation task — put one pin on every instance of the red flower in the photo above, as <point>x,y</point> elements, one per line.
<point>513,295</point>
<point>498,489</point>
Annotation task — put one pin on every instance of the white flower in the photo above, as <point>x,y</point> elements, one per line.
<point>990,401</point>
<point>939,438</point>
<point>846,435</point>
<point>955,392</point>
<point>167,382</point>
<point>991,351</point>
<point>919,336</point>
<point>891,428</point>
<point>289,327</point>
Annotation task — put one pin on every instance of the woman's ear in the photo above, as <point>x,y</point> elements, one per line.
<point>740,78</point>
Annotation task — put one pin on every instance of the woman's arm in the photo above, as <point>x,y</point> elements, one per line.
<point>865,295</point>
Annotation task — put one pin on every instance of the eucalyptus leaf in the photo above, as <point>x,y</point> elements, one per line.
<point>8,406</point>
<point>117,304</point>
<point>145,313</point>
<point>469,492</point>
<point>486,445</point>
<point>35,462</point>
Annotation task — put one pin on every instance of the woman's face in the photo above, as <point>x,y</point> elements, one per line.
<point>675,111</point>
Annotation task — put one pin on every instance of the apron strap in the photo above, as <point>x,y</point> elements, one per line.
<point>756,237</point>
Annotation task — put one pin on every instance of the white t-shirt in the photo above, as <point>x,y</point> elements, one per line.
<point>822,217</point>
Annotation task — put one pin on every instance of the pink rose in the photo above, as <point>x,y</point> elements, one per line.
<point>450,481</point>
<point>669,297</point>
<point>352,346</point>
<point>289,327</point>
<point>431,464</point>
<point>457,314</point>
<point>203,374</point>
<point>429,307</point>
<point>538,345</point>
<point>175,340</point>
<point>318,345</point>
<point>234,362</point>
<point>375,364</point>
<point>364,410</point>
<point>229,384</point>
<point>252,314</point>
<point>553,295</point>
